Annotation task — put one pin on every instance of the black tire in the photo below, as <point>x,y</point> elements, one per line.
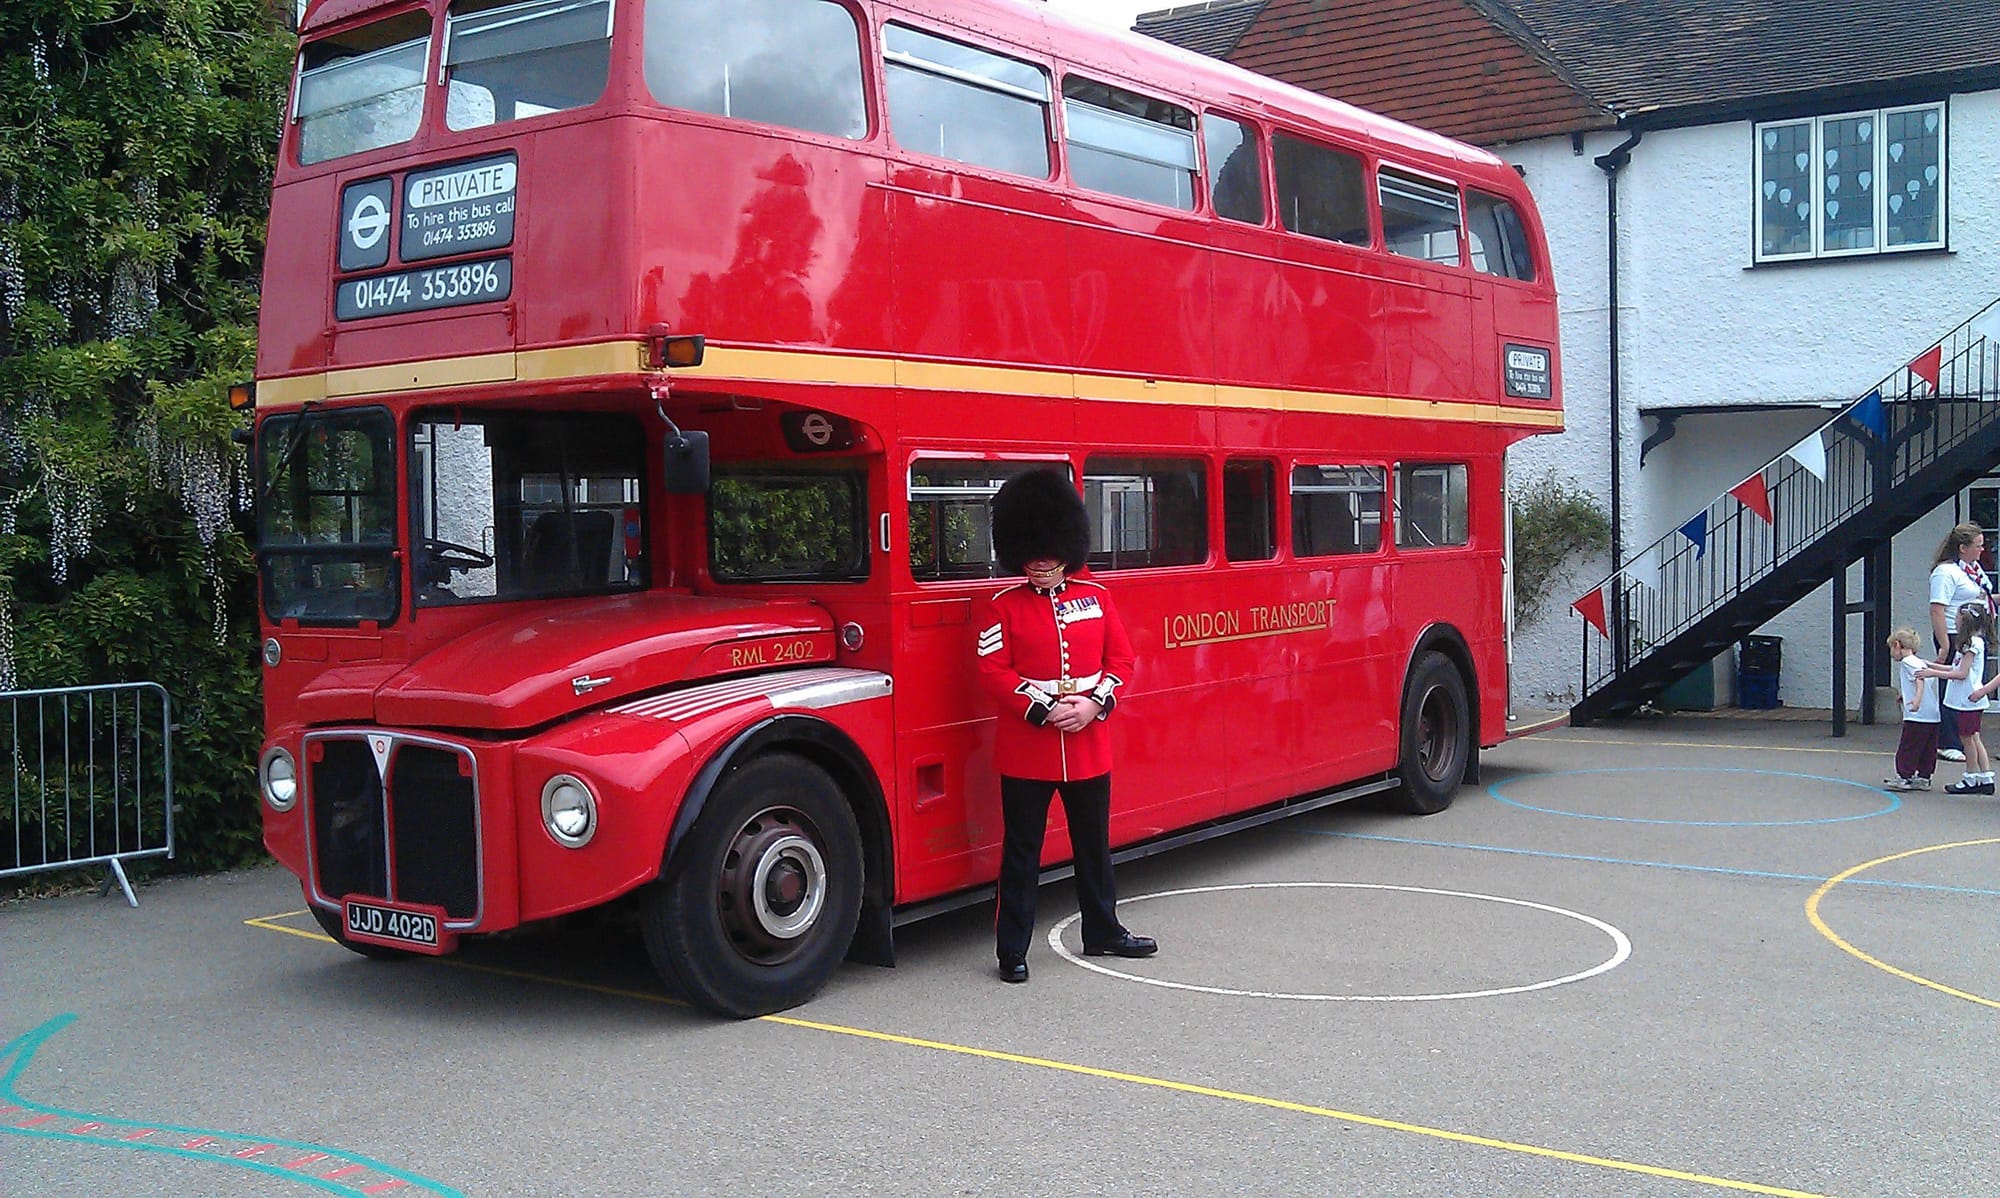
<point>331,923</point>
<point>1436,737</point>
<point>777,830</point>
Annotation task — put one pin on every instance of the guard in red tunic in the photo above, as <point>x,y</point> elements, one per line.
<point>1053,654</point>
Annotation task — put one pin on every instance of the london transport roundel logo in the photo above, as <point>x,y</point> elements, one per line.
<point>368,222</point>
<point>816,427</point>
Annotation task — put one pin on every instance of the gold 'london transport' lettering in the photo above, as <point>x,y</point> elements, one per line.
<point>1244,623</point>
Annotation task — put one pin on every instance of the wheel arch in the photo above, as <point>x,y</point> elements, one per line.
<point>825,746</point>
<point>1449,641</point>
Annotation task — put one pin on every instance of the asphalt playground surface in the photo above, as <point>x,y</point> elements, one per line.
<point>1642,960</point>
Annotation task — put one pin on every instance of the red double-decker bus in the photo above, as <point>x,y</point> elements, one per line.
<point>632,378</point>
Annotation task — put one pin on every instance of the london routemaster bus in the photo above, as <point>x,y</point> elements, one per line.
<point>632,378</point>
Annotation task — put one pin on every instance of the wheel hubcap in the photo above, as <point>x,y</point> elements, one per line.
<point>773,885</point>
<point>1437,735</point>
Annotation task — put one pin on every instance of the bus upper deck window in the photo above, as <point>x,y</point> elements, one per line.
<point>1235,176</point>
<point>1320,192</point>
<point>362,89</point>
<point>969,105</point>
<point>794,63</point>
<point>1127,144</point>
<point>1419,218</point>
<point>1499,242</point>
<point>504,62</point>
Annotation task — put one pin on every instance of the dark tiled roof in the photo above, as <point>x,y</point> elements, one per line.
<point>1636,56</point>
<point>1473,75</point>
<point>1211,27</point>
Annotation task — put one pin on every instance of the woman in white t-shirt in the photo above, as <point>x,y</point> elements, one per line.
<point>1956,579</point>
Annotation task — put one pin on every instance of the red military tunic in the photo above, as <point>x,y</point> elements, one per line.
<point>1036,646</point>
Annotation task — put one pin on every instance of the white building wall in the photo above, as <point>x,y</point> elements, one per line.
<point>1700,325</point>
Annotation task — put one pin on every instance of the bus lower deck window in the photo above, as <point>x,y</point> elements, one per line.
<point>1337,509</point>
<point>1430,505</point>
<point>1146,512</point>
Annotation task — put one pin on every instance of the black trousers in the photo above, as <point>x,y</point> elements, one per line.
<point>1024,807</point>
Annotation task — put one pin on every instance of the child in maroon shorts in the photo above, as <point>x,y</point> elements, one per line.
<point>1916,753</point>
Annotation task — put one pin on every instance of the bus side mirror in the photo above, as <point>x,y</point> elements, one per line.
<point>686,470</point>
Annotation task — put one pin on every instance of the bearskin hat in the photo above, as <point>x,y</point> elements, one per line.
<point>1037,515</point>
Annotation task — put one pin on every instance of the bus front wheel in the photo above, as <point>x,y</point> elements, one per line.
<point>1437,735</point>
<point>766,895</point>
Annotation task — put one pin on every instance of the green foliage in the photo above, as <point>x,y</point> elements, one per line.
<point>135,170</point>
<point>1554,519</point>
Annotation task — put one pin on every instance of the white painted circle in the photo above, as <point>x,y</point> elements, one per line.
<point>1621,946</point>
<point>368,222</point>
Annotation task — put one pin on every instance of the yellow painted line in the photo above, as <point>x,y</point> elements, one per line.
<point>614,358</point>
<point>1812,913</point>
<point>531,365</point>
<point>1437,1133</point>
<point>790,367</point>
<point>1135,1079</point>
<point>1696,744</point>
<point>266,922</point>
<point>581,361</point>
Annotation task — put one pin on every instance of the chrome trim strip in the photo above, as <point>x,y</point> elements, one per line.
<point>813,690</point>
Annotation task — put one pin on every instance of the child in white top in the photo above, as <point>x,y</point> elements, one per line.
<point>1916,754</point>
<point>1964,675</point>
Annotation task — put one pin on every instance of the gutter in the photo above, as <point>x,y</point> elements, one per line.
<point>1611,163</point>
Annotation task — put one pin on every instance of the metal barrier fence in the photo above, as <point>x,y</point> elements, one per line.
<point>90,779</point>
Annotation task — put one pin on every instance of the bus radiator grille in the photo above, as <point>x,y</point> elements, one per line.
<point>422,834</point>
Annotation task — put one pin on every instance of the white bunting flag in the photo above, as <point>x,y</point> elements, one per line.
<point>1811,453</point>
<point>1987,325</point>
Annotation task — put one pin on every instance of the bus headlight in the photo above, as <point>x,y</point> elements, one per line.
<point>569,811</point>
<point>279,775</point>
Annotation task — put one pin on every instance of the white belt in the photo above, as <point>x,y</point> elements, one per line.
<point>1065,686</point>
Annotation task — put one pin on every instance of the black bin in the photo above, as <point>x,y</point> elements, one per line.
<point>1760,654</point>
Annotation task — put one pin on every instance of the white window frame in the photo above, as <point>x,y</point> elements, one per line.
<point>1817,183</point>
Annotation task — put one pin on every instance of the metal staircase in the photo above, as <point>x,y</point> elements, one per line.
<point>1891,457</point>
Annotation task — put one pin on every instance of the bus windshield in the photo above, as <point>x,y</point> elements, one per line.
<point>327,529</point>
<point>507,505</point>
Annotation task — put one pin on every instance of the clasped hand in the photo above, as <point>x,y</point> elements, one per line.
<point>1073,713</point>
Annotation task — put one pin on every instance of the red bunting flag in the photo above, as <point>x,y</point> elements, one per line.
<point>1927,363</point>
<point>1753,495</point>
<point>1591,608</point>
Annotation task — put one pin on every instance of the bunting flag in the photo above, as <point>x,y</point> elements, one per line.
<point>1925,365</point>
<point>1987,325</point>
<point>1591,608</point>
<point>1752,494</point>
<point>1811,453</point>
<point>1870,415</point>
<point>1696,530</point>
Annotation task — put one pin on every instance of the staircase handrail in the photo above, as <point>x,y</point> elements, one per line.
<point>1956,360</point>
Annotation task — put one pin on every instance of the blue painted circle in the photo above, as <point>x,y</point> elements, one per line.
<point>1895,801</point>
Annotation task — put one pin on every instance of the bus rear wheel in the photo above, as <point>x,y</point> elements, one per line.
<point>765,898</point>
<point>1437,735</point>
